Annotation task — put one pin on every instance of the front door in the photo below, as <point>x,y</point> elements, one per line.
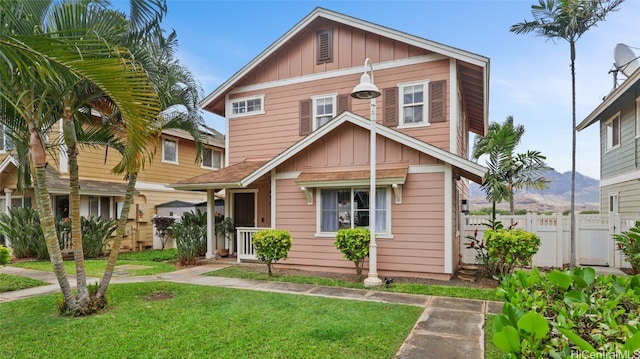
<point>244,209</point>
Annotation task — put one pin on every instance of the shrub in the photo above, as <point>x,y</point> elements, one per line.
<point>271,245</point>
<point>564,313</point>
<point>198,219</point>
<point>508,248</point>
<point>629,243</point>
<point>354,245</point>
<point>5,255</point>
<point>188,238</point>
<point>96,232</point>
<point>22,227</point>
<point>162,228</point>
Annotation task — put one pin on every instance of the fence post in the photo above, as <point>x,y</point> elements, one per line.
<point>559,239</point>
<point>615,226</point>
<point>240,248</point>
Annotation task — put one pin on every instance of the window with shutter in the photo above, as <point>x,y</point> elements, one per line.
<point>324,45</point>
<point>324,109</point>
<point>390,104</point>
<point>305,117</point>
<point>437,97</point>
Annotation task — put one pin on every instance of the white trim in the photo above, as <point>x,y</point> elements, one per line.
<point>359,24</point>
<point>286,175</point>
<point>63,156</point>
<point>629,176</point>
<point>308,192</point>
<point>174,140</point>
<point>232,194</point>
<point>212,241</point>
<point>141,185</point>
<point>350,183</point>
<point>448,220</point>
<point>8,160</point>
<point>616,195</point>
<point>454,119</point>
<point>606,134</point>
<point>338,73</point>
<point>414,169</point>
<point>229,105</point>
<point>425,104</point>
<point>314,105</point>
<point>272,198</point>
<point>637,116</point>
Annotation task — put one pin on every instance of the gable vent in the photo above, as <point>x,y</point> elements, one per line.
<point>324,45</point>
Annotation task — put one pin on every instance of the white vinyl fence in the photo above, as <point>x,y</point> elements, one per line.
<point>594,237</point>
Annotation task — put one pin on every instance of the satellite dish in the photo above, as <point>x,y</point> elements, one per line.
<point>625,59</point>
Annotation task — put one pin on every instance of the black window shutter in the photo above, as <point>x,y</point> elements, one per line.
<point>437,97</point>
<point>305,117</point>
<point>390,104</point>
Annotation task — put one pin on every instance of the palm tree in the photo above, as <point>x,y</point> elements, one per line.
<point>508,171</point>
<point>567,20</point>
<point>36,60</point>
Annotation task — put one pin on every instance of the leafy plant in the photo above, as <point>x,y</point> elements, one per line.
<point>354,245</point>
<point>596,315</point>
<point>162,225</point>
<point>271,245</point>
<point>5,255</point>
<point>96,233</point>
<point>188,238</point>
<point>197,219</point>
<point>22,227</point>
<point>629,243</point>
<point>508,248</point>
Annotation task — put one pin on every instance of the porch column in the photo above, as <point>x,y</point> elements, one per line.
<point>211,224</point>
<point>7,205</point>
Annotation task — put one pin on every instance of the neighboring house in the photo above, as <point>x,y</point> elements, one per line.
<point>102,193</point>
<point>619,119</point>
<point>298,144</point>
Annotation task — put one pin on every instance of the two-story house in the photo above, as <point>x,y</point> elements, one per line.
<point>298,145</point>
<point>619,119</point>
<point>102,192</point>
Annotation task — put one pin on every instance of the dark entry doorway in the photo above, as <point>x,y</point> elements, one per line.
<point>244,209</point>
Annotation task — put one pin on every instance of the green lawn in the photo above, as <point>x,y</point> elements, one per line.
<point>10,283</point>
<point>96,267</point>
<point>206,322</point>
<point>412,288</point>
<point>491,351</point>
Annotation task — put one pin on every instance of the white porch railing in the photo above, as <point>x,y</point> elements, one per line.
<point>244,236</point>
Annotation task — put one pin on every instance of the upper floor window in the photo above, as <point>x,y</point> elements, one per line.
<point>349,208</point>
<point>211,158</point>
<point>612,132</point>
<point>6,143</point>
<point>413,106</point>
<point>324,109</point>
<point>169,150</point>
<point>247,106</point>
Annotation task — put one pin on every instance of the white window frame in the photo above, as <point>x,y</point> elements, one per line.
<point>425,104</point>
<point>609,128</point>
<point>314,105</point>
<point>164,159</point>
<point>244,101</point>
<point>382,235</point>
<point>5,139</point>
<point>202,164</point>
<point>614,202</point>
<point>637,117</point>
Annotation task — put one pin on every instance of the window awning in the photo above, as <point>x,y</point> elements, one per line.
<point>384,177</point>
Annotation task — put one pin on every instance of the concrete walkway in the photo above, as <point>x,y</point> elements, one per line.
<point>448,327</point>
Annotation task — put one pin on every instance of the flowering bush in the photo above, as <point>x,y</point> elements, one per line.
<point>629,244</point>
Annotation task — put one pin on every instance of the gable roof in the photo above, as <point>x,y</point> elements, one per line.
<point>616,94</point>
<point>221,179</point>
<point>473,69</point>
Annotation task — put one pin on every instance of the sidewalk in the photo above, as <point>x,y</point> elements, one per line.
<point>448,327</point>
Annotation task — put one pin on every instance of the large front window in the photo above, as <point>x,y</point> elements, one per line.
<point>349,208</point>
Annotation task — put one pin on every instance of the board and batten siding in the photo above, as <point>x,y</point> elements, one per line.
<point>266,135</point>
<point>624,158</point>
<point>628,197</point>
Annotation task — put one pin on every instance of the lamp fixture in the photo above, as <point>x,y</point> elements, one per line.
<point>366,89</point>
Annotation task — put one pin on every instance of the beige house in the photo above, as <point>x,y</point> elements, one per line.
<point>298,145</point>
<point>102,193</point>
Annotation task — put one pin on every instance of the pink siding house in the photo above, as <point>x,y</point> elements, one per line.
<point>298,155</point>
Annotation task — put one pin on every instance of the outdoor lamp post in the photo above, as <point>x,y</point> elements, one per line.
<point>367,90</point>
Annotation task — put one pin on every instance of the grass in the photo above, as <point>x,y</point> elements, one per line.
<point>205,322</point>
<point>155,255</point>
<point>96,267</point>
<point>410,288</point>
<point>491,351</point>
<point>10,283</point>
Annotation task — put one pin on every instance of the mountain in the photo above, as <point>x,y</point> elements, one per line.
<point>557,197</point>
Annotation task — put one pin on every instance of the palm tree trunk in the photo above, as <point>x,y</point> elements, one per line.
<point>43,201</point>
<point>117,243</point>
<point>70,140</point>
<point>572,235</point>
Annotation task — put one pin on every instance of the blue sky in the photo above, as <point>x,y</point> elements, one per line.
<point>529,76</point>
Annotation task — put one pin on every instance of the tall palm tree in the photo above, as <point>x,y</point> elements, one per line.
<point>36,60</point>
<point>508,171</point>
<point>567,20</point>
